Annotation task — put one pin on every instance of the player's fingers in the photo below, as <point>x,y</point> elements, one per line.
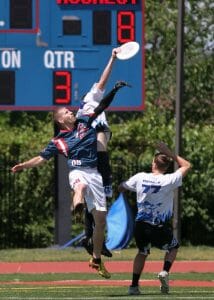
<point>116,50</point>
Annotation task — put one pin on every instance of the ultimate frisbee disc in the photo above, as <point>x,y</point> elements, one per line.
<point>128,50</point>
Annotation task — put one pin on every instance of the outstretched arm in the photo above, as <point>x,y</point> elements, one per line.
<point>107,71</point>
<point>33,162</point>
<point>184,165</point>
<point>95,95</point>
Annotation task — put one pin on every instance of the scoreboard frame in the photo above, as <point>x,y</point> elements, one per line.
<point>41,67</point>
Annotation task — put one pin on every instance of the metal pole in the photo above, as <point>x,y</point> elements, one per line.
<point>178,112</point>
<point>62,201</point>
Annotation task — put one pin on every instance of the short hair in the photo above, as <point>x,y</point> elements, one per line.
<point>162,161</point>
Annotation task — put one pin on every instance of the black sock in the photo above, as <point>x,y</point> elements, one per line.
<point>89,224</point>
<point>97,260</point>
<point>135,279</point>
<point>167,265</point>
<point>104,167</point>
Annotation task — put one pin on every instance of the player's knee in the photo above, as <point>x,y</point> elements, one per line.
<point>143,253</point>
<point>81,188</point>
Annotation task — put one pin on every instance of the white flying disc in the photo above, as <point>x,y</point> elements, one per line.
<point>128,50</point>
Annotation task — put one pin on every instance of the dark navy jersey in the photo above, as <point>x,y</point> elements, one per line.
<point>78,145</point>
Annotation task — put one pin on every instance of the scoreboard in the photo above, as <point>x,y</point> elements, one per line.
<point>52,51</point>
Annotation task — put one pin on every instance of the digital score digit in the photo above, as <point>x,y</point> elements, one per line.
<point>125,26</point>
<point>52,52</point>
<point>62,87</point>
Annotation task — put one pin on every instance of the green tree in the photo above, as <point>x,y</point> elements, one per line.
<point>27,198</point>
<point>161,29</point>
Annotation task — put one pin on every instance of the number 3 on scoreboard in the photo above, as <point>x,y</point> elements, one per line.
<point>62,87</point>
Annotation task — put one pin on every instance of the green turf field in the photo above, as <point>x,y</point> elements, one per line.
<point>15,290</point>
<point>99,292</point>
<point>79,254</point>
<point>93,276</point>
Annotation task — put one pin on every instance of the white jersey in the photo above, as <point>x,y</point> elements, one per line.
<point>155,195</point>
<point>90,102</point>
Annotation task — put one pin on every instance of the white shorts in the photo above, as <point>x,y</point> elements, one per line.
<point>94,196</point>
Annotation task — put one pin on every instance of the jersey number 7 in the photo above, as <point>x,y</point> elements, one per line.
<point>153,189</point>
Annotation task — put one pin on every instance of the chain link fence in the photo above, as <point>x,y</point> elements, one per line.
<point>26,220</point>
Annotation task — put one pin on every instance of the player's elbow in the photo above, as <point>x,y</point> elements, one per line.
<point>190,166</point>
<point>186,168</point>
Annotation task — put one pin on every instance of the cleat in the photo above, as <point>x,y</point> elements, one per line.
<point>100,268</point>
<point>87,244</point>
<point>134,290</point>
<point>77,206</point>
<point>78,209</point>
<point>120,84</point>
<point>163,276</point>
<point>105,251</point>
<point>108,191</point>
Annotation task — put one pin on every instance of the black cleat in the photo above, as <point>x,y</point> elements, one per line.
<point>120,84</point>
<point>105,251</point>
<point>87,244</point>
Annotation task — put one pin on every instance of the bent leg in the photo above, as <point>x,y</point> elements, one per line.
<point>78,197</point>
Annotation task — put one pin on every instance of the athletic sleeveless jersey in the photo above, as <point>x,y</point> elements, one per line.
<point>154,195</point>
<point>78,145</point>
